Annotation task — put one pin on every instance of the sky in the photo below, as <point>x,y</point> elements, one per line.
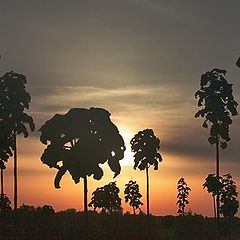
<point>142,61</point>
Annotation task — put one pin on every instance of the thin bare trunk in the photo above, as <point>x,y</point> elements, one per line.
<point>2,183</point>
<point>134,211</point>
<point>147,175</point>
<point>85,199</point>
<point>217,174</point>
<point>15,171</point>
<point>214,207</point>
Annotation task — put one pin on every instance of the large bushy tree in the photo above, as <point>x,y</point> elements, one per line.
<point>106,198</point>
<point>215,97</point>
<point>146,147</point>
<point>78,142</point>
<point>14,100</point>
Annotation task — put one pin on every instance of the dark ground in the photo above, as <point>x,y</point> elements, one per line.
<point>71,225</point>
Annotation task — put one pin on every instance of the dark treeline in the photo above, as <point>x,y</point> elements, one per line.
<point>40,223</point>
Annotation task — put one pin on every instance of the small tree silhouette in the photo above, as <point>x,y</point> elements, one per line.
<point>146,145</point>
<point>13,102</point>
<point>228,194</point>
<point>5,204</point>
<point>78,142</point>
<point>132,195</point>
<point>213,185</point>
<point>216,99</point>
<point>106,198</point>
<point>183,192</point>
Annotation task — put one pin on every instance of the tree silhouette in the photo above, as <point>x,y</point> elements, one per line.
<point>14,101</point>
<point>106,198</point>
<point>78,142</point>
<point>5,204</point>
<point>132,195</point>
<point>213,185</point>
<point>146,145</point>
<point>183,192</point>
<point>216,99</point>
<point>228,194</point>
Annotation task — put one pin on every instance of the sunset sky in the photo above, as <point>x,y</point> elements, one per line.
<point>142,61</point>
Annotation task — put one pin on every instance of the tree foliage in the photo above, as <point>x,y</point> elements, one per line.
<point>217,103</point>
<point>106,198</point>
<point>228,197</point>
<point>79,141</point>
<point>146,145</point>
<point>132,195</point>
<point>213,184</point>
<point>183,193</point>
<point>14,99</point>
<point>5,204</point>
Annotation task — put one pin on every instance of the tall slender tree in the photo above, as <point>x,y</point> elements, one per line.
<point>146,145</point>
<point>78,142</point>
<point>14,101</point>
<point>215,97</point>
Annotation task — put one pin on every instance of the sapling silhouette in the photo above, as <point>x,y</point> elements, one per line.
<point>228,197</point>
<point>5,204</point>
<point>13,102</point>
<point>78,142</point>
<point>106,198</point>
<point>146,145</point>
<point>213,185</point>
<point>183,192</point>
<point>216,99</point>
<point>132,195</point>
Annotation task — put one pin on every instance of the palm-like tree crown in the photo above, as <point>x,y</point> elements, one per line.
<point>216,99</point>
<point>14,99</point>
<point>146,145</point>
<point>79,141</point>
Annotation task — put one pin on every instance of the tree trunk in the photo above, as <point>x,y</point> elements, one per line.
<point>2,184</point>
<point>147,190</point>
<point>15,171</point>
<point>217,174</point>
<point>85,199</point>
<point>214,207</point>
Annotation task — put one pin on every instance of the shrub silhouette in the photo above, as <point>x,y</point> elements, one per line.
<point>228,197</point>
<point>132,195</point>
<point>183,192</point>
<point>216,99</point>
<point>146,145</point>
<point>5,204</point>
<point>106,198</point>
<point>78,142</point>
<point>13,102</point>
